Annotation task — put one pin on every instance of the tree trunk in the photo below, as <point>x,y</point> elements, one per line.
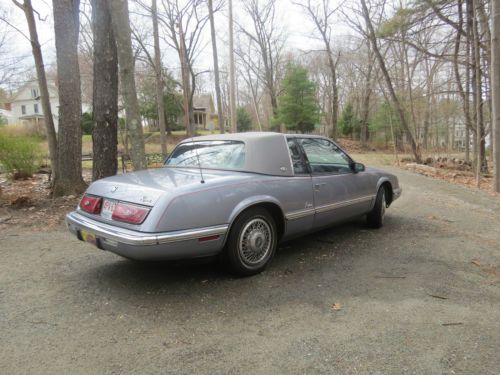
<point>159,81</point>
<point>335,94</point>
<point>105,93</point>
<point>216,67</point>
<point>383,68</point>
<point>495,90</point>
<point>186,87</point>
<point>232,79</point>
<point>366,107</point>
<point>42,84</point>
<point>68,179</point>
<point>478,100</point>
<point>121,30</point>
<point>464,94</point>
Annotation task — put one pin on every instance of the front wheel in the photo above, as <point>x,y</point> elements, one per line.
<point>252,242</point>
<point>375,218</point>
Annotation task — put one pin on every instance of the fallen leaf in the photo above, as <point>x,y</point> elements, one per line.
<point>337,306</point>
<point>475,261</point>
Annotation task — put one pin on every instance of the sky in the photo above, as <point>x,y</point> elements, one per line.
<point>299,30</point>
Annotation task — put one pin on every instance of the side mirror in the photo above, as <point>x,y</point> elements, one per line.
<point>358,167</point>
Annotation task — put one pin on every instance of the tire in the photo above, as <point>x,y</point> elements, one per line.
<point>252,242</point>
<point>375,218</point>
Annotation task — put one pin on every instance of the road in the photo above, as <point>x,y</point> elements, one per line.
<point>419,296</point>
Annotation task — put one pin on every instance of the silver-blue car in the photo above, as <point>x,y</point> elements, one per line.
<point>232,195</point>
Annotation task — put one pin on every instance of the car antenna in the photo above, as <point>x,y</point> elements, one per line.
<point>198,159</point>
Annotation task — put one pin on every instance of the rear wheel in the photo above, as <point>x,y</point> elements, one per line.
<point>252,242</point>
<point>375,218</point>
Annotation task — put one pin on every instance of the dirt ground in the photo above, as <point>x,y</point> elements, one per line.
<point>419,296</point>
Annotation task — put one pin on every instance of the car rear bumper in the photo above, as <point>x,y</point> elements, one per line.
<point>192,243</point>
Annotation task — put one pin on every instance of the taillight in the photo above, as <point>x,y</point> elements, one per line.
<point>91,204</point>
<point>130,213</point>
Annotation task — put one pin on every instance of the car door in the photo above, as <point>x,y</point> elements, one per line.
<point>339,193</point>
<point>299,202</point>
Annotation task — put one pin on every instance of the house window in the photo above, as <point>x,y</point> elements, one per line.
<point>23,109</point>
<point>34,93</point>
<point>35,108</point>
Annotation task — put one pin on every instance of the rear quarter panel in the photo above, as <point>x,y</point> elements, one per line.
<point>221,203</point>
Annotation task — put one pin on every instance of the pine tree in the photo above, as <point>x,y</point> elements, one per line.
<point>298,107</point>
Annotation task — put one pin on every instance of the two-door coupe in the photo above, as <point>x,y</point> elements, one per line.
<point>236,195</point>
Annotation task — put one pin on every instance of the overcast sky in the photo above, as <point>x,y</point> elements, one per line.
<point>299,31</point>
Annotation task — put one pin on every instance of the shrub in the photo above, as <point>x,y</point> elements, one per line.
<point>87,123</point>
<point>20,156</point>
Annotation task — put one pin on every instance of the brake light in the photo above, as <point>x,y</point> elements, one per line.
<point>91,204</point>
<point>130,213</point>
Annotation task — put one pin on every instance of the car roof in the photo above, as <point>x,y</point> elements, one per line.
<point>265,152</point>
<point>249,136</point>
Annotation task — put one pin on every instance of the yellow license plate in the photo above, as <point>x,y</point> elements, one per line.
<point>88,237</point>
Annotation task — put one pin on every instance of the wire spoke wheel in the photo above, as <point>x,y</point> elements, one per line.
<point>255,241</point>
<point>252,242</point>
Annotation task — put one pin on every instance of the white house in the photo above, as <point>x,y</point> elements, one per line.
<point>26,106</point>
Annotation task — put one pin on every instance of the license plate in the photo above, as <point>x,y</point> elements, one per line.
<point>88,237</point>
<point>108,206</point>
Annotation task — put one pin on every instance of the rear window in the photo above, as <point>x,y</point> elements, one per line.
<point>208,154</point>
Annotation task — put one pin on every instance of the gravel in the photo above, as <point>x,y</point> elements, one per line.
<point>419,296</point>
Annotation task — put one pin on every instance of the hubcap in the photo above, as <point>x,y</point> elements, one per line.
<point>255,241</point>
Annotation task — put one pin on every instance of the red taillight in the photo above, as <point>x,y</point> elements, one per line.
<point>91,204</point>
<point>130,213</point>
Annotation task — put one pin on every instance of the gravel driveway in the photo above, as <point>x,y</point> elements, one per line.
<point>419,296</point>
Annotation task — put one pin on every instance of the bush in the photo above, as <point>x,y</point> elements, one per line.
<point>87,123</point>
<point>243,120</point>
<point>20,156</point>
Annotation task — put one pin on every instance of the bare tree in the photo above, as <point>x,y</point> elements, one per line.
<point>122,33</point>
<point>105,93</point>
<point>216,67</point>
<point>321,14</point>
<point>42,82</point>
<point>373,40</point>
<point>495,89</point>
<point>68,179</point>
<point>267,44</point>
<point>11,63</point>
<point>184,24</point>
<point>159,80</point>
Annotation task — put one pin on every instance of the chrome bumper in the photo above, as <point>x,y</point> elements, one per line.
<point>140,245</point>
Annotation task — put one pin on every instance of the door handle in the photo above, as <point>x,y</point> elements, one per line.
<point>318,186</point>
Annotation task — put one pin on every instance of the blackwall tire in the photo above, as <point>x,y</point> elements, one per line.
<point>375,218</point>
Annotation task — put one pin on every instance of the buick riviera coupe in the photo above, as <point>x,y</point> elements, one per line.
<point>232,195</point>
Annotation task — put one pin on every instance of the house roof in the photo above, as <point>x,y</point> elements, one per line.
<point>204,101</point>
<point>32,83</point>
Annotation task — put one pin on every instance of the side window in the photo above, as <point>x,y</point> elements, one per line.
<point>325,157</point>
<point>299,166</point>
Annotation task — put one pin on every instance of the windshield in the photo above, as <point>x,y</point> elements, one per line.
<point>208,154</point>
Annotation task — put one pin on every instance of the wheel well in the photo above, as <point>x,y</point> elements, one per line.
<point>388,192</point>
<point>275,212</point>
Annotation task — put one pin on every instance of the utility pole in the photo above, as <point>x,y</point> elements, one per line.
<point>216,67</point>
<point>159,81</point>
<point>232,83</point>
<point>185,81</point>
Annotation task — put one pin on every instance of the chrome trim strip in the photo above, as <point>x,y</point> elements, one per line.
<point>192,234</point>
<point>300,214</point>
<point>327,207</point>
<point>333,206</point>
<point>130,237</point>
